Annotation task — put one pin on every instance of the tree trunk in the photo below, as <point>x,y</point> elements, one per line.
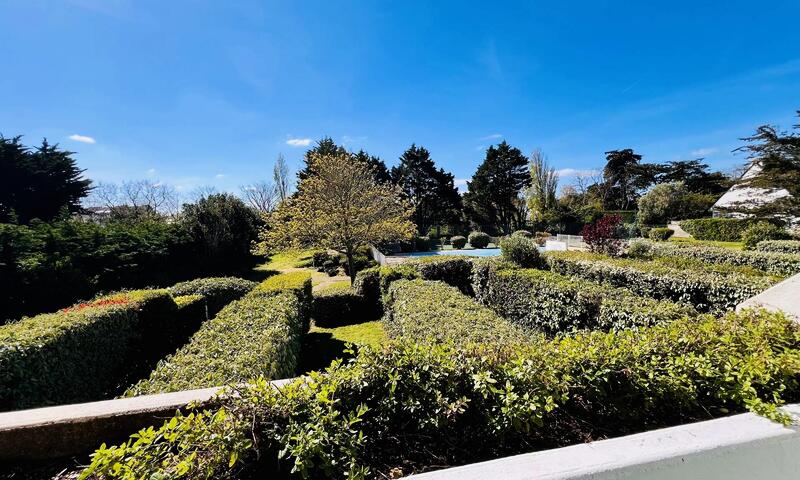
<point>350,265</point>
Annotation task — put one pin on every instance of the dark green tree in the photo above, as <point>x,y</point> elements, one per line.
<point>431,191</point>
<point>325,146</point>
<point>625,177</point>
<point>42,183</point>
<point>493,198</point>
<point>377,166</point>
<point>695,176</point>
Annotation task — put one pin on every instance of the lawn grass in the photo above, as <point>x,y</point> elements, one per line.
<point>287,260</point>
<point>712,243</point>
<point>321,346</point>
<point>367,333</point>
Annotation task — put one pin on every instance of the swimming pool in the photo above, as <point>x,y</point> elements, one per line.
<point>478,252</point>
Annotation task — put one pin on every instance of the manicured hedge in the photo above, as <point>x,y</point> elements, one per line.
<point>337,306</point>
<point>257,335</point>
<point>410,408</point>
<point>706,292</point>
<point>215,291</point>
<point>84,352</point>
<point>781,264</point>
<point>779,246</point>
<point>720,229</point>
<point>553,303</point>
<point>424,311</point>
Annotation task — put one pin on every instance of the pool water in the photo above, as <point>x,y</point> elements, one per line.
<point>478,252</point>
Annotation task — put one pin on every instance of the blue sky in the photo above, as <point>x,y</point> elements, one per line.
<point>208,93</point>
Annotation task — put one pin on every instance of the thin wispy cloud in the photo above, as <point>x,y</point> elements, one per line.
<point>151,171</point>
<point>219,175</point>
<point>704,152</point>
<point>493,136</point>
<point>461,184</point>
<point>82,138</point>
<point>298,142</point>
<point>347,139</point>
<point>574,172</point>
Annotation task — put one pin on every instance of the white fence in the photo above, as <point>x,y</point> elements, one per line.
<point>572,241</point>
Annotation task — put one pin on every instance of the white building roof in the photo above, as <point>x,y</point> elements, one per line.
<point>739,195</point>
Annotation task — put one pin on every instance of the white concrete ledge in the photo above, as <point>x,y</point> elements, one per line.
<point>66,430</point>
<point>740,447</point>
<point>783,297</point>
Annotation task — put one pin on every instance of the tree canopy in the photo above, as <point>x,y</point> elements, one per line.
<point>544,184</point>
<point>38,183</point>
<point>695,176</point>
<point>625,177</point>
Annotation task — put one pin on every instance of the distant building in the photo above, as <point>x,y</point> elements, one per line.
<point>739,196</point>
<point>94,214</point>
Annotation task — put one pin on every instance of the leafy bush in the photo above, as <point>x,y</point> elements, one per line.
<point>705,291</point>
<point>520,250</point>
<point>216,292</point>
<point>458,242</point>
<point>84,352</point>
<point>258,335</point>
<point>425,311</point>
<point>542,237</point>
<point>552,303</point>
<point>640,249</point>
<point>762,231</point>
<point>522,233</point>
<point>779,246</point>
<point>412,407</point>
<point>781,264</point>
<point>479,239</point>
<point>601,236</point>
<point>422,244</point>
<point>337,306</point>
<point>660,234</point>
<point>362,259</point>
<point>717,229</point>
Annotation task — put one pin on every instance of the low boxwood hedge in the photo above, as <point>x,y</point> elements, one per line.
<point>774,263</point>
<point>718,229</point>
<point>705,291</point>
<point>553,303</point>
<point>410,408</point>
<point>779,246</point>
<point>85,352</point>
<point>258,335</point>
<point>215,291</point>
<point>342,305</point>
<point>433,311</point>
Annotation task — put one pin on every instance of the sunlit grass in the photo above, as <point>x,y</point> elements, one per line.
<point>367,333</point>
<point>712,243</point>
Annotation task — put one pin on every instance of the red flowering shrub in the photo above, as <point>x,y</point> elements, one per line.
<point>103,302</point>
<point>601,236</point>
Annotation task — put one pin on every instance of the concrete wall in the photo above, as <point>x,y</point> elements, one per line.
<point>784,297</point>
<point>740,447</point>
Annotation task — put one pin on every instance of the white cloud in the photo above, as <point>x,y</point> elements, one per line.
<point>493,136</point>
<point>574,172</point>
<point>219,175</point>
<point>151,171</point>
<point>461,184</point>
<point>346,139</point>
<point>704,152</point>
<point>82,138</point>
<point>299,142</point>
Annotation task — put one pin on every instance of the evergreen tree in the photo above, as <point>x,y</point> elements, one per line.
<point>375,164</point>
<point>431,191</point>
<point>695,176</point>
<point>41,183</point>
<point>325,146</point>
<point>493,196</point>
<point>625,177</point>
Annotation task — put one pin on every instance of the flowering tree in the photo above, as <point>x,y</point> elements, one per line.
<point>601,236</point>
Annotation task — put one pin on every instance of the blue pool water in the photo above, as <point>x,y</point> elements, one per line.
<point>481,252</point>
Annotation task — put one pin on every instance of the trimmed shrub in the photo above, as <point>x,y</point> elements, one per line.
<point>660,234</point>
<point>522,233</point>
<point>762,231</point>
<point>215,291</point>
<point>717,229</point>
<point>779,246</point>
<point>337,306</point>
<point>458,242</point>
<point>705,291</point>
<point>422,244</point>
<point>426,311</point>
<point>258,335</point>
<point>780,264</point>
<point>520,250</point>
<point>639,249</point>
<point>422,406</point>
<point>362,259</point>
<point>552,303</point>
<point>84,352</point>
<point>602,236</point>
<point>479,239</point>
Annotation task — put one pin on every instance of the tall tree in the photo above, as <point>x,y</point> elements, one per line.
<point>325,146</point>
<point>695,176</point>
<point>262,196</point>
<point>625,177</point>
<point>340,206</point>
<point>431,191</point>
<point>38,183</point>
<point>376,165</point>
<point>280,177</point>
<point>544,184</point>
<point>493,193</point>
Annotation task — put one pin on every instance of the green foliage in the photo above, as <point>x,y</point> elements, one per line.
<point>455,271</point>
<point>718,229</point>
<point>337,306</point>
<point>779,246</point>
<point>705,291</point>
<point>422,244</point>
<point>216,292</point>
<point>640,249</point>
<point>672,201</point>
<point>421,406</point>
<point>552,303</point>
<point>427,311</point>
<point>85,352</point>
<point>660,234</point>
<point>522,233</point>
<point>458,241</point>
<point>257,335</point>
<point>761,231</point>
<point>42,183</point>
<point>781,264</point>
<point>479,239</point>
<point>520,250</point>
<point>362,258</point>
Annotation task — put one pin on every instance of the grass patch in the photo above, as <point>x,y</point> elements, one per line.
<point>713,243</point>
<point>321,346</point>
<point>288,259</point>
<point>368,333</point>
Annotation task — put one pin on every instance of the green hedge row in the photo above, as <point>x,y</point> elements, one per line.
<point>781,264</point>
<point>337,306</point>
<point>718,229</point>
<point>216,292</point>
<point>410,408</point>
<point>553,303</point>
<point>424,311</point>
<point>85,352</point>
<point>779,246</point>
<point>257,335</point>
<point>706,292</point>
